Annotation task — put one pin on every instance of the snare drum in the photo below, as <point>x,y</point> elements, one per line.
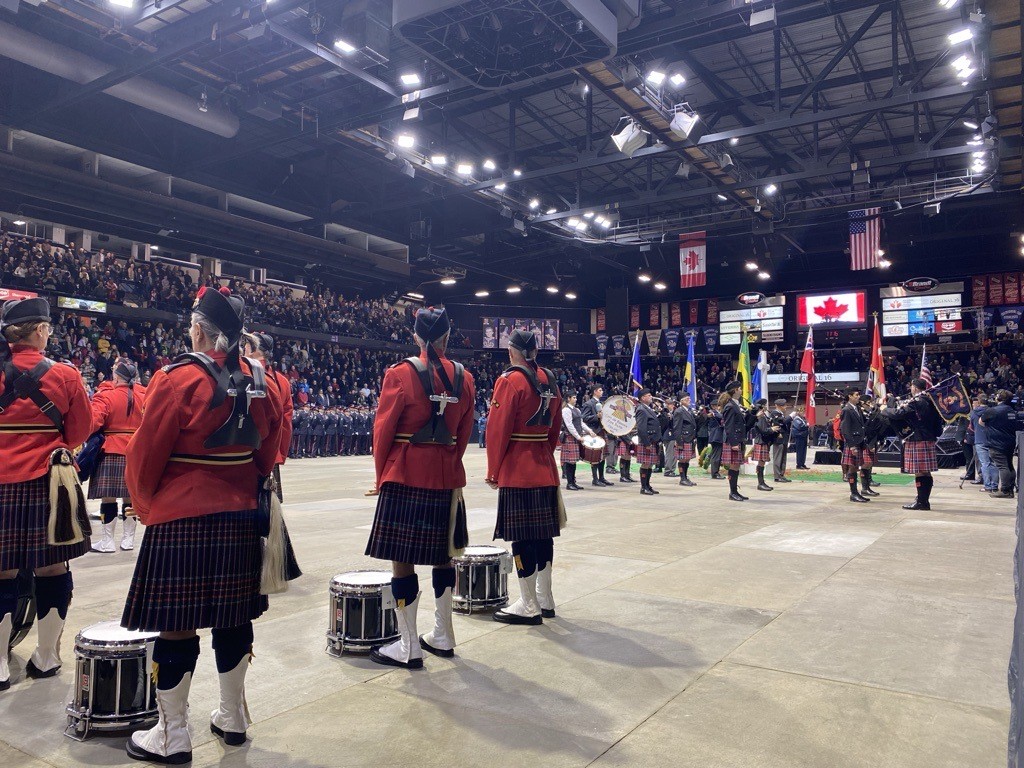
<point>362,612</point>
<point>25,610</point>
<point>113,687</point>
<point>592,449</point>
<point>481,579</point>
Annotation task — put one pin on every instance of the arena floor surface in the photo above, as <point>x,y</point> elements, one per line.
<point>793,630</point>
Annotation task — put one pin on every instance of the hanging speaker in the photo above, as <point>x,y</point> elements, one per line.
<point>630,138</point>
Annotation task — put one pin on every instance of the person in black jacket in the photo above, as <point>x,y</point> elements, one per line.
<point>925,425</point>
<point>716,433</point>
<point>875,428</point>
<point>1001,426</point>
<point>851,427</point>
<point>800,431</point>
<point>780,448</point>
<point>685,424</point>
<point>590,411</point>
<point>668,445</point>
<point>765,435</point>
<point>648,430</point>
<point>300,422</point>
<point>735,422</point>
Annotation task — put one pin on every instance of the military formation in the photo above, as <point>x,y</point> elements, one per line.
<point>332,431</point>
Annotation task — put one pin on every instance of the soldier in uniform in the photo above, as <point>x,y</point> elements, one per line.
<point>573,431</point>
<point>925,425</point>
<point>116,413</point>
<point>735,424</point>
<point>320,433</point>
<point>194,469</point>
<point>685,424</point>
<point>780,448</point>
<point>345,431</point>
<point>523,426</point>
<point>765,435</point>
<point>648,430</point>
<point>590,412</point>
<point>332,431</point>
<point>420,436</point>
<point>260,347</point>
<point>851,427</point>
<point>44,412</point>
<point>301,431</point>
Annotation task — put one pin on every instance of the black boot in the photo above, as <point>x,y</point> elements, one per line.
<point>624,468</point>
<point>734,491</point>
<point>600,475</point>
<point>761,484</point>
<point>854,494</point>
<point>570,476</point>
<point>865,484</point>
<point>924,492</point>
<point>594,475</point>
<point>684,474</point>
<point>645,479</point>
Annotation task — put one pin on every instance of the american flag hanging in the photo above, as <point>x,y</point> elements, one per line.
<point>865,233</point>
<point>926,374</point>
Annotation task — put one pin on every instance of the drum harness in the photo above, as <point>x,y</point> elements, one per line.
<point>542,418</point>
<point>25,385</point>
<point>435,431</point>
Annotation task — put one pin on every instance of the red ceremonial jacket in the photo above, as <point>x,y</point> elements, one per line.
<point>278,382</point>
<point>513,461</point>
<point>27,436</point>
<point>402,410</point>
<point>167,476</point>
<point>110,414</point>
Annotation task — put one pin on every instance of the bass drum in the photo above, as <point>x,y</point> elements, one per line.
<point>618,415</point>
<point>25,612</point>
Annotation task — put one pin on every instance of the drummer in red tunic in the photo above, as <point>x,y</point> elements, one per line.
<point>116,412</point>
<point>423,423</point>
<point>522,430</point>
<point>209,437</point>
<point>260,346</point>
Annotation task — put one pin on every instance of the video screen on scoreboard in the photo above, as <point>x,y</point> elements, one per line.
<point>840,308</point>
<point>498,329</point>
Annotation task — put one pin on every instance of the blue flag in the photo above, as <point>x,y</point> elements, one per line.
<point>690,374</point>
<point>634,367</point>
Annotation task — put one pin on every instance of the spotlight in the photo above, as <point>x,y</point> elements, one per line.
<point>573,222</point>
<point>552,289</point>
<point>410,78</point>
<point>19,222</point>
<point>549,211</point>
<point>734,141</point>
<point>722,197</point>
<point>752,265</point>
<point>683,123</point>
<point>655,77</point>
<point>344,47</point>
<point>884,263</point>
<point>880,252</point>
<point>570,295</point>
<point>489,165</point>
<point>516,172</point>
<point>534,204</point>
<point>464,169</point>
<point>643,277</point>
<point>660,286</point>
<point>971,124</point>
<point>588,215</point>
<point>677,80</point>
<point>448,281</point>
<point>513,289</point>
<point>482,294</point>
<point>764,275</point>
<point>438,159</point>
<point>406,140</point>
<point>123,3</point>
<point>630,138</point>
<point>771,189</point>
<point>961,36</point>
<point>500,187</point>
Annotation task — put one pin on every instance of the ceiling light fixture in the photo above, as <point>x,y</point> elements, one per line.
<point>516,172</point>
<point>643,277</point>
<point>581,225</point>
<point>884,263</point>
<point>464,169</point>
<point>971,124</point>
<point>771,189</point>
<point>19,222</point>
<point>947,3</point>
<point>606,224</point>
<point>677,79</point>
<point>572,222</point>
<point>154,247</point>
<point>406,140</point>
<point>482,294</point>
<point>413,295</point>
<point>655,77</point>
<point>961,36</point>
<point>588,215</point>
<point>660,286</point>
<point>438,159</point>
<point>344,46</point>
<point>722,197</point>
<point>570,295</point>
<point>751,265</point>
<point>448,281</point>
<point>123,3</point>
<point>489,165</point>
<point>410,78</point>
<point>552,289</point>
<point>549,211</point>
<point>534,204</point>
<point>500,187</point>
<point>764,275</point>
<point>734,141</point>
<point>880,252</point>
<point>513,289</point>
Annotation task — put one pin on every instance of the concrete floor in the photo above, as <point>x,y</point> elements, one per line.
<point>795,629</point>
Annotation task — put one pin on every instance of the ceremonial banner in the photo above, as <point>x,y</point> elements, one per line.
<point>602,345</point>
<point>634,316</point>
<point>671,341</point>
<point>602,320</point>
<point>693,266</point>
<point>1011,287</point>
<point>618,345</point>
<point>876,370</point>
<point>807,366</point>
<point>711,338</point>
<point>694,311</point>
<point>743,371</point>
<point>979,291</point>
<point>675,314</point>
<point>653,337</point>
<point>635,374</point>
<point>690,371</point>
<point>712,311</point>
<point>950,399</point>
<point>995,289</point>
<point>654,316</point>
<point>865,234</point>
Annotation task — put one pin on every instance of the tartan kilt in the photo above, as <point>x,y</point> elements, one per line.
<point>527,513</point>
<point>24,512</point>
<point>197,572</point>
<point>868,457</point>
<point>411,525</point>
<point>647,455</point>
<point>762,452</point>
<point>919,456</point>
<point>107,482</point>
<point>570,450</point>
<point>732,457</point>
<point>684,452</point>
<point>622,450</point>
<point>854,457</point>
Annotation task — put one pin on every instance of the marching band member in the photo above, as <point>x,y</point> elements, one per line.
<point>624,453</point>
<point>919,457</point>
<point>260,347</point>
<point>716,434</point>
<point>851,427</point>
<point>875,426</point>
<point>648,430</point>
<point>800,430</point>
<point>116,412</point>
<point>780,448</point>
<point>765,435</point>
<point>685,424</point>
<point>194,469</point>
<point>590,412</point>
<point>668,443</point>
<point>734,426</point>
<point>44,412</point>
<point>523,426</point>
<point>424,421</point>
<point>573,430</point>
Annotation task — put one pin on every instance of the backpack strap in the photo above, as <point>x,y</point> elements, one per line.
<point>547,392</point>
<point>25,385</point>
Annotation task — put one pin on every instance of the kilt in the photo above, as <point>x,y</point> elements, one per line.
<point>919,456</point>
<point>411,525</point>
<point>197,572</point>
<point>762,452</point>
<point>647,455</point>
<point>24,511</point>
<point>527,513</point>
<point>570,450</point>
<point>731,457</point>
<point>854,457</point>
<point>868,457</point>
<point>622,449</point>
<point>107,482</point>
<point>684,452</point>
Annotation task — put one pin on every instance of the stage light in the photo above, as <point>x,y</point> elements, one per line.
<point>660,286</point>
<point>513,289</point>
<point>677,79</point>
<point>764,275</point>
<point>552,289</point>
<point>655,77</point>
<point>771,189</point>
<point>464,169</point>
<point>500,187</point>
<point>734,141</point>
<point>406,140</point>
<point>971,124</point>
<point>630,138</point>
<point>549,211</point>
<point>581,225</point>
<point>438,159</point>
<point>722,197</point>
<point>410,78</point>
<point>643,277</point>
<point>516,172</point>
<point>752,266</point>
<point>570,295</point>
<point>534,204</point>
<point>588,215</point>
<point>448,281</point>
<point>489,165</point>
<point>961,36</point>
<point>482,294</point>
<point>573,222</point>
<point>683,123</point>
<point>344,46</point>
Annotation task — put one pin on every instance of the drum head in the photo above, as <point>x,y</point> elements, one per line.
<point>362,579</point>
<point>596,443</point>
<point>483,551</point>
<point>112,633</point>
<point>618,415</point>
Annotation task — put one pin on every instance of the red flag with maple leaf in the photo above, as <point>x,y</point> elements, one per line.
<point>807,366</point>
<point>831,308</point>
<point>693,267</point>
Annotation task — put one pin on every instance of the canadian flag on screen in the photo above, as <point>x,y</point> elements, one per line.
<point>693,260</point>
<point>831,308</point>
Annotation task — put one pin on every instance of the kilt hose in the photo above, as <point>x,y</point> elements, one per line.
<point>684,452</point>
<point>647,455</point>
<point>197,572</point>
<point>570,452</point>
<point>732,457</point>
<point>24,512</point>
<point>762,452</point>
<point>868,458</point>
<point>854,457</point>
<point>412,525</point>
<point>527,513</point>
<point>919,456</point>
<point>107,482</point>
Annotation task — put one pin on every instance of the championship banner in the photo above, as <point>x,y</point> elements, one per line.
<point>712,311</point>
<point>995,289</point>
<point>1010,317</point>
<point>654,316</point>
<point>671,341</point>
<point>10,294</point>
<point>653,337</point>
<point>602,345</point>
<point>989,313</point>
<point>618,345</point>
<point>1011,287</point>
<point>633,339</point>
<point>979,291</point>
<point>634,316</point>
<point>711,338</point>
<point>693,262</point>
<point>602,320</point>
<point>694,311</point>
<point>675,314</point>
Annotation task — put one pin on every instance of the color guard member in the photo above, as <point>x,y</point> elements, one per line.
<point>735,423</point>
<point>851,427</point>
<point>765,435</point>
<point>522,429</point>
<point>919,457</point>
<point>648,430</point>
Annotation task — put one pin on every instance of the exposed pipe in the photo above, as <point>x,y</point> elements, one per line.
<point>38,52</point>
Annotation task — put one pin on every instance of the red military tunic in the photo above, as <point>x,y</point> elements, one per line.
<point>27,436</point>
<point>514,458</point>
<point>110,415</point>
<point>284,390</point>
<point>402,410</point>
<point>165,472</point>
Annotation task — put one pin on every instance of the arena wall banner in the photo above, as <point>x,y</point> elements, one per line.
<point>979,291</point>
<point>671,341</point>
<point>496,331</point>
<point>654,316</point>
<point>1011,287</point>
<point>10,294</point>
<point>712,311</point>
<point>653,337</point>
<point>618,345</point>
<point>1010,317</point>
<point>710,338</point>
<point>601,322</point>
<point>602,345</point>
<point>634,317</point>
<point>675,314</point>
<point>694,311</point>
<point>995,289</point>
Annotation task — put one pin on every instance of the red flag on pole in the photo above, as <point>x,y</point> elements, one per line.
<point>876,369</point>
<point>807,366</point>
<point>693,265</point>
